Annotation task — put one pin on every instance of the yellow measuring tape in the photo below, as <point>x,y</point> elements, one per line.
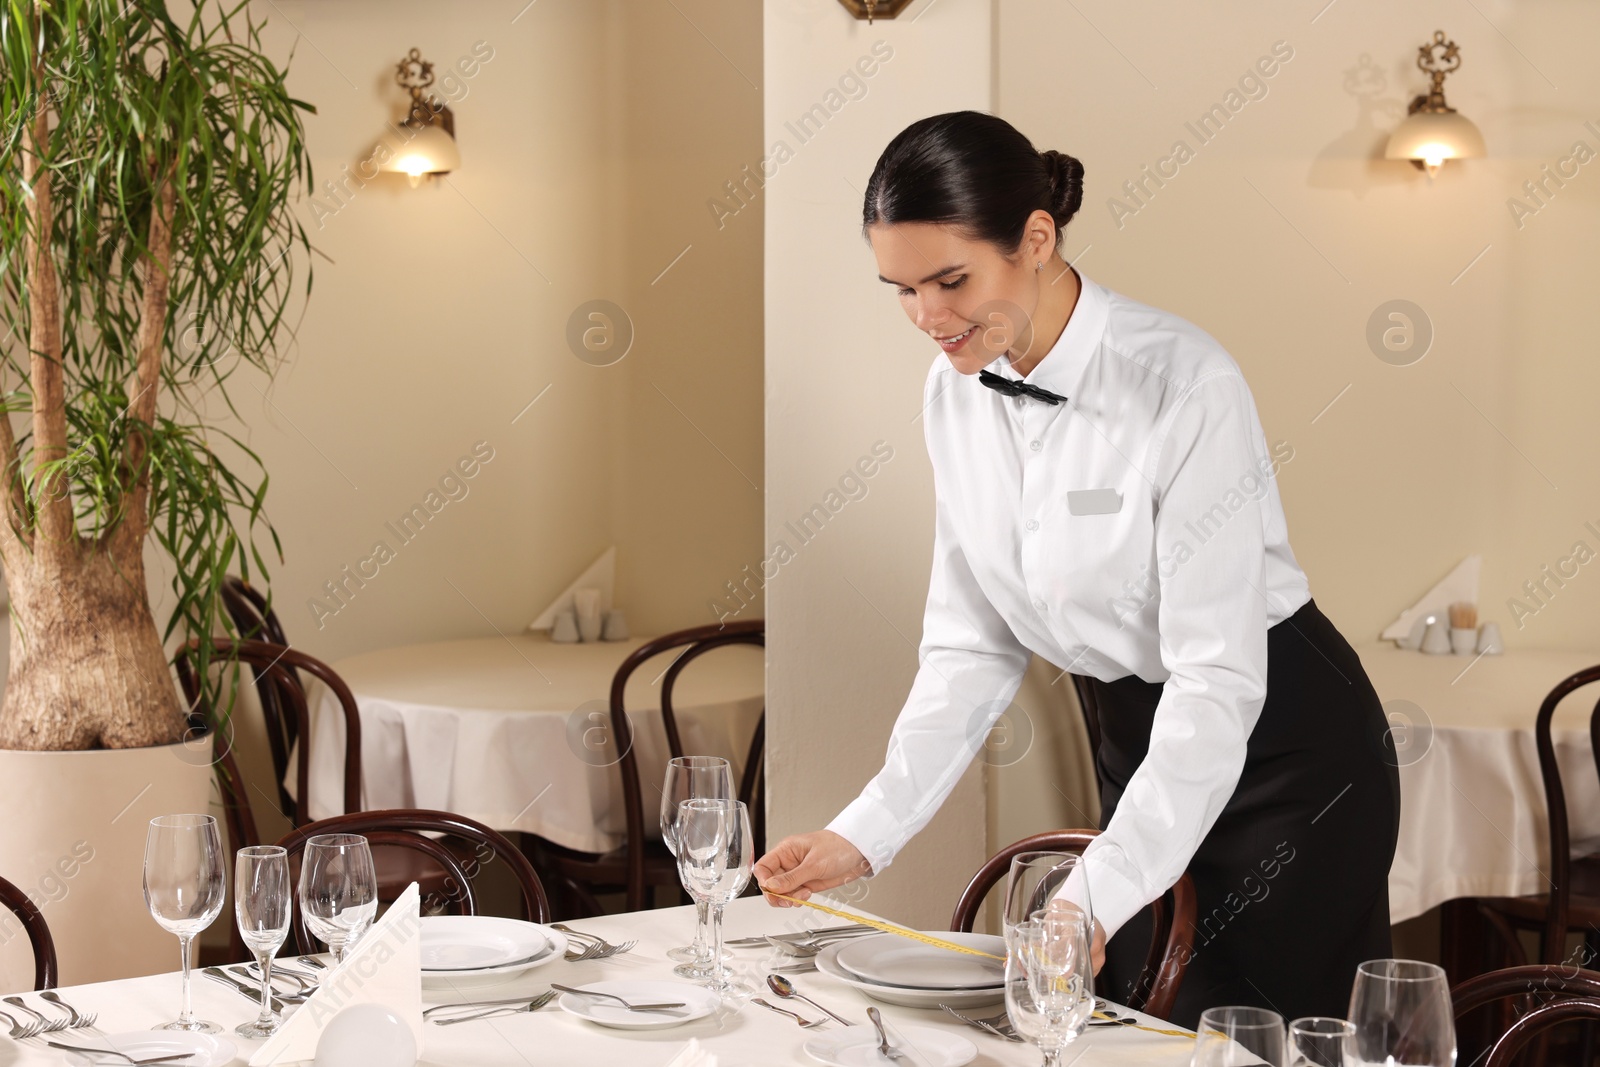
<point>890,928</point>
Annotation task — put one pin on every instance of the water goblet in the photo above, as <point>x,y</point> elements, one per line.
<point>183,887</point>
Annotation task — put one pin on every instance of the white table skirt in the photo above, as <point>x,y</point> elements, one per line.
<point>747,1037</point>
<point>1472,810</point>
<point>511,731</point>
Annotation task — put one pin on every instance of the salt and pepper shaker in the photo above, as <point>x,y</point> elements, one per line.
<point>587,604</point>
<point>565,630</point>
<point>1436,641</point>
<point>616,626</point>
<point>1489,639</point>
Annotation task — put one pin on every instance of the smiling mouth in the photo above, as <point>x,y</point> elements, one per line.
<point>954,336</point>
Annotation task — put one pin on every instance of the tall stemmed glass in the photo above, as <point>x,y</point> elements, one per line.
<point>261,907</point>
<point>1035,878</point>
<point>1401,1012</point>
<point>338,890</point>
<point>183,887</point>
<point>690,778</point>
<point>1049,978</point>
<point>715,853</point>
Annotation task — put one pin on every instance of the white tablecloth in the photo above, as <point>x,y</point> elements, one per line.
<point>747,1037</point>
<point>514,731</point>
<point>1472,811</point>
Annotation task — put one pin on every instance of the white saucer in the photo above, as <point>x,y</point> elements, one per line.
<point>857,1046</point>
<point>463,950</point>
<point>700,1002</point>
<point>828,963</point>
<point>210,1050</point>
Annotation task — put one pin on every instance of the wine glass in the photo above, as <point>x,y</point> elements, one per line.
<point>1049,979</point>
<point>689,777</point>
<point>715,853</point>
<point>1401,1012</point>
<point>1319,1041</point>
<point>261,907</point>
<point>183,887</point>
<point>1239,1037</point>
<point>1035,878</point>
<point>338,890</point>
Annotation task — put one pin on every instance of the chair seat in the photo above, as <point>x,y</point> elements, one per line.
<point>1583,904</point>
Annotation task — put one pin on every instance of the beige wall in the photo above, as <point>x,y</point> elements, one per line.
<point>1280,238</point>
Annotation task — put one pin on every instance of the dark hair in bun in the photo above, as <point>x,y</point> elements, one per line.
<point>976,171</point>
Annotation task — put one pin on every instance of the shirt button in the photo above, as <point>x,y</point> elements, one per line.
<point>1038,605</point>
<point>1035,445</point>
<point>1033,524</point>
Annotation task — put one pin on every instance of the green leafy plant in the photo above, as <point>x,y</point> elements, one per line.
<point>148,161</point>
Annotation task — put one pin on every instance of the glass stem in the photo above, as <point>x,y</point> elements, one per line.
<point>186,1016</point>
<point>702,910</point>
<point>1052,1056</point>
<point>264,961</point>
<point>719,972</point>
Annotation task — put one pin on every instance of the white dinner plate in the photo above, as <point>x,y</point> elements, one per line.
<point>828,964</point>
<point>857,1046</point>
<point>699,1002</point>
<point>208,1050</point>
<point>890,959</point>
<point>472,949</point>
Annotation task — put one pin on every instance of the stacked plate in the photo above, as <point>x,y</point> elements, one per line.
<point>481,949</point>
<point>898,970</point>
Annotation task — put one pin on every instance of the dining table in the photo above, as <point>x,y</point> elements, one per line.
<point>1472,805</point>
<point>739,1033</point>
<point>514,731</point>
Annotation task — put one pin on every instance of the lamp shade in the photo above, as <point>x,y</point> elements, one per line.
<point>429,150</point>
<point>1435,136</point>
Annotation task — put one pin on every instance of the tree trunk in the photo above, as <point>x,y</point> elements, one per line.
<point>87,666</point>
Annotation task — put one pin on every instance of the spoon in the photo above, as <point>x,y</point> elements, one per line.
<point>785,989</point>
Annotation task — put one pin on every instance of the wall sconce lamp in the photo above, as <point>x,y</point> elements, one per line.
<point>428,134</point>
<point>1433,131</point>
<point>871,9</point>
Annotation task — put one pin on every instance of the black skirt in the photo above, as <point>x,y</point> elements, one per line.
<point>1292,880</point>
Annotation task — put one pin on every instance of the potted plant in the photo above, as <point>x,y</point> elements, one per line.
<point>148,160</point>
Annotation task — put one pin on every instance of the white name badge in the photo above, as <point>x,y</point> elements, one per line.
<point>1094,501</point>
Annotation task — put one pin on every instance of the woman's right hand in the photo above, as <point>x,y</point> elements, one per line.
<point>809,863</point>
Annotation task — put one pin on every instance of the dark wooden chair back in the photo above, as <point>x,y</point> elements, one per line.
<point>407,828</point>
<point>1172,934</point>
<point>255,620</point>
<point>1553,941</point>
<point>695,643</point>
<point>1553,995</point>
<point>287,714</point>
<point>38,931</point>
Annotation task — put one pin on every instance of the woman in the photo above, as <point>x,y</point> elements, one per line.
<point>1107,503</point>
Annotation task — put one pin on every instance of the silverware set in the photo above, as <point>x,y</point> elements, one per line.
<point>42,1024</point>
<point>594,947</point>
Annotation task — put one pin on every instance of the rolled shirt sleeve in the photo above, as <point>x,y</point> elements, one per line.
<point>970,667</point>
<point>1213,642</point>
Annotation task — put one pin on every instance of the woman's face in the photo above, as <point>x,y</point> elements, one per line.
<point>974,301</point>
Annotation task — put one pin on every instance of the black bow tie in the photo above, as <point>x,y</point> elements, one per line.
<point>1010,388</point>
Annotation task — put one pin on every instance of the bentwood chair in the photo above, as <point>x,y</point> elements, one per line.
<point>408,829</point>
<point>1172,933</point>
<point>254,620</point>
<point>1550,996</point>
<point>1573,902</point>
<point>38,931</point>
<point>643,862</point>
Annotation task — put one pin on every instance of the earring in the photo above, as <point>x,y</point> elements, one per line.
<point>1038,266</point>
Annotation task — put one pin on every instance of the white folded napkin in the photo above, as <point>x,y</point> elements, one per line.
<point>692,1055</point>
<point>384,968</point>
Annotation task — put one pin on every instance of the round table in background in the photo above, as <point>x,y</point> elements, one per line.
<point>1472,809</point>
<point>515,731</point>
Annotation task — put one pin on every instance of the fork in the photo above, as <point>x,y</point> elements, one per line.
<point>80,1020</point>
<point>983,1024</point>
<point>801,1019</point>
<point>47,1026</point>
<point>533,1005</point>
<point>22,1031</point>
<point>176,1058</point>
<point>606,948</point>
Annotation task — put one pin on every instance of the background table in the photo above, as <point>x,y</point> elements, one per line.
<point>1472,810</point>
<point>749,1036</point>
<point>515,732</point>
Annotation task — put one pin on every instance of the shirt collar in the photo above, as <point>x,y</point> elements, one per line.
<point>1062,367</point>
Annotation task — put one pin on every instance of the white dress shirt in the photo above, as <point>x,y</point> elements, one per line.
<point>1134,529</point>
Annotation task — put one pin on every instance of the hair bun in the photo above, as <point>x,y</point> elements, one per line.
<point>1066,185</point>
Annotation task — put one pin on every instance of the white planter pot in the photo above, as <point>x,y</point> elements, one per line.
<point>72,831</point>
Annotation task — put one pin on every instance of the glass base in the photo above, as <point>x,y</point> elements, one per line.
<point>257,1030</point>
<point>687,954</point>
<point>197,1026</point>
<point>733,991</point>
<point>695,971</point>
